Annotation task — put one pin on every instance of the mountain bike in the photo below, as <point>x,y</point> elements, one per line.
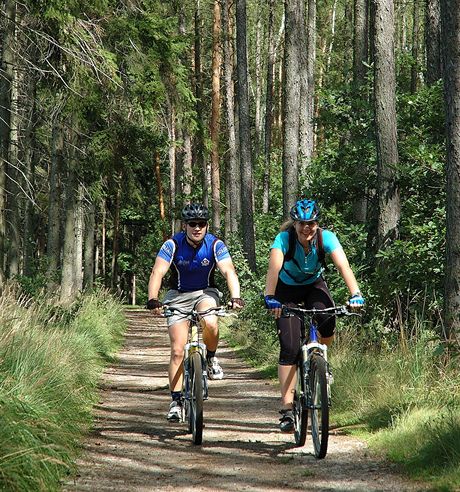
<point>195,380</point>
<point>313,387</point>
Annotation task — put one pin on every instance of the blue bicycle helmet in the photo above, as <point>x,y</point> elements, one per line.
<point>195,211</point>
<point>305,210</point>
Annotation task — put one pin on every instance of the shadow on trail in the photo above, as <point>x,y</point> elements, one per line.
<point>133,448</point>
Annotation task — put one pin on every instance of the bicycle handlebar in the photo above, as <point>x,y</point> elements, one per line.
<point>334,311</point>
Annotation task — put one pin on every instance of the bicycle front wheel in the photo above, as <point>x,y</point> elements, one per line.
<point>196,398</point>
<point>319,406</point>
<point>300,408</point>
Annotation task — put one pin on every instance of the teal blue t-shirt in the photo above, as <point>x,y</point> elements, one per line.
<point>311,268</point>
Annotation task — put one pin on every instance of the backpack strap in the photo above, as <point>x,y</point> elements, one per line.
<point>320,246</point>
<point>289,256</point>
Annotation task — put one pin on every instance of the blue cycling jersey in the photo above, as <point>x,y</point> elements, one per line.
<point>311,268</point>
<point>193,268</point>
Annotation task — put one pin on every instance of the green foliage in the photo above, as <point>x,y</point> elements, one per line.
<point>50,362</point>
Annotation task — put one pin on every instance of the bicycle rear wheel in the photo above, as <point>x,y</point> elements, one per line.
<point>300,408</point>
<point>319,406</point>
<point>196,398</point>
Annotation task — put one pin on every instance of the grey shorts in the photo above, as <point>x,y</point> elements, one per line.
<point>188,301</point>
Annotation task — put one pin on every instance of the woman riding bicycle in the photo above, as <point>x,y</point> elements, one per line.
<point>294,276</point>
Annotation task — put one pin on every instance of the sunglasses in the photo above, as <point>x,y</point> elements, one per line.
<point>197,224</point>
<point>310,225</point>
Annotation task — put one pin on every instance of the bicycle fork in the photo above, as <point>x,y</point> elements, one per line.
<point>190,348</point>
<point>320,351</point>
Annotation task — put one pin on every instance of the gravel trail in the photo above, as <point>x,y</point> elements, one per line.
<point>133,448</point>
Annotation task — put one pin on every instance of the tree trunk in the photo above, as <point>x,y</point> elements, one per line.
<point>28,157</point>
<point>360,60</point>
<point>187,166</point>
<point>311,67</point>
<point>360,43</point>
<point>160,194</point>
<point>14,178</point>
<point>245,136</point>
<point>90,232</point>
<point>450,17</point>
<point>53,250</point>
<point>258,82</point>
<point>233,173</point>
<point>116,234</point>
<point>104,240</point>
<point>172,163</point>
<point>215,117</point>
<point>414,73</point>
<point>433,41</point>
<point>200,149</point>
<point>269,109</point>
<point>304,128</point>
<point>68,254</point>
<point>7,61</point>
<point>292,61</point>
<point>385,119</point>
<point>79,228</point>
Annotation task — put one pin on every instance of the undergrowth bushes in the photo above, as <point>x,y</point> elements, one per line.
<point>50,360</point>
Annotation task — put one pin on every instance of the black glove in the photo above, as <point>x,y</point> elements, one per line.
<point>153,304</point>
<point>236,302</point>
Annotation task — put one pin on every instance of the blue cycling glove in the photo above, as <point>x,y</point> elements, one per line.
<point>356,301</point>
<point>272,303</point>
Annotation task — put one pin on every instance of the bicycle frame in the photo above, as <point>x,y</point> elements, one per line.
<point>194,345</point>
<point>313,381</point>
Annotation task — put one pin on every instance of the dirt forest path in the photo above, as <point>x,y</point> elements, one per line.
<point>134,448</point>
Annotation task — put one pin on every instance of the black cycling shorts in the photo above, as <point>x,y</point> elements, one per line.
<point>290,328</point>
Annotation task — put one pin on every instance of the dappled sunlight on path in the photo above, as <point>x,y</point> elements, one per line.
<point>133,448</point>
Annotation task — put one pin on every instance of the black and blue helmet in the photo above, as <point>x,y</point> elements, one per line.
<point>305,210</point>
<point>195,211</point>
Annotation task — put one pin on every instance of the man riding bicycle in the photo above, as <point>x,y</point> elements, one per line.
<point>295,276</point>
<point>194,254</point>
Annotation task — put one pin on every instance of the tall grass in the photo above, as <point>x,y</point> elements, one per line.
<point>50,361</point>
<point>402,396</point>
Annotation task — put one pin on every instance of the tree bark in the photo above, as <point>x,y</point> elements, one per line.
<point>450,18</point>
<point>269,109</point>
<point>360,43</point>
<point>89,255</point>
<point>233,173</point>
<point>305,127</point>
<point>245,136</point>
<point>68,254</point>
<point>79,228</point>
<point>215,117</point>
<point>28,157</point>
<point>360,60</point>
<point>414,74</point>
<point>433,41</point>
<point>385,119</point>
<point>53,250</point>
<point>200,148</point>
<point>160,193</point>
<point>7,61</point>
<point>291,116</point>
<point>187,166</point>
<point>14,178</point>
<point>116,233</point>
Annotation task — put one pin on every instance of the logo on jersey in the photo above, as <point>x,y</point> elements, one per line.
<point>204,262</point>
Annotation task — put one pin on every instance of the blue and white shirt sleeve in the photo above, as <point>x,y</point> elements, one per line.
<point>167,250</point>
<point>220,251</point>
<point>330,242</point>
